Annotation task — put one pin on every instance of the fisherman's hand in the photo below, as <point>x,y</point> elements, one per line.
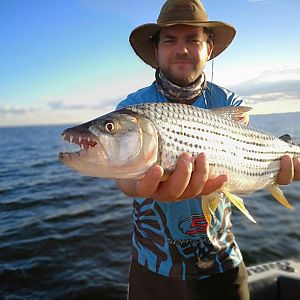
<point>289,170</point>
<point>184,183</point>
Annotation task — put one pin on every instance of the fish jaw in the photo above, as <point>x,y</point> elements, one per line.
<point>127,151</point>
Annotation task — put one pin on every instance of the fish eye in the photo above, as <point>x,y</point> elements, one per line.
<point>109,126</point>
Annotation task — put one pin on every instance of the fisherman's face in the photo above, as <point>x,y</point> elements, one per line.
<point>182,52</point>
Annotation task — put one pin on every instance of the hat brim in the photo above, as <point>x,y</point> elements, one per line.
<point>140,38</point>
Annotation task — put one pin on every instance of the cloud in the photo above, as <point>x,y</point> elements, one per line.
<point>67,105</point>
<point>261,1</point>
<point>271,85</point>
<point>13,110</point>
<point>290,88</point>
<point>61,105</point>
<point>53,112</point>
<point>268,88</point>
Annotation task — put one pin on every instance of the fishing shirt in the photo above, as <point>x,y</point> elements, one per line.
<point>173,239</point>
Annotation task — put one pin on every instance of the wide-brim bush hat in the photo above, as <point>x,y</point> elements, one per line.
<point>174,12</point>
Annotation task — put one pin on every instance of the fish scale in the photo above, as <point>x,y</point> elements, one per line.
<point>250,158</point>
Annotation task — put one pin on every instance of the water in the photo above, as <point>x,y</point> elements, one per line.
<point>67,236</point>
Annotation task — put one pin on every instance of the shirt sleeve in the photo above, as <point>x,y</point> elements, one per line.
<point>236,100</point>
<point>147,94</point>
<point>219,96</point>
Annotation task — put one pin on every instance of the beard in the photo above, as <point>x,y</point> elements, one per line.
<point>181,78</point>
<point>182,71</point>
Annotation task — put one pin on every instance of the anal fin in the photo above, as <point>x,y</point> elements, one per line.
<point>279,196</point>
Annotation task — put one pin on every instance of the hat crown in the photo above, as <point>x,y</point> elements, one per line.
<point>187,12</point>
<point>182,11</point>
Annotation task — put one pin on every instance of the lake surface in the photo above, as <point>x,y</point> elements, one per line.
<point>67,236</point>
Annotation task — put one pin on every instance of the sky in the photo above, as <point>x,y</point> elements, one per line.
<point>68,61</point>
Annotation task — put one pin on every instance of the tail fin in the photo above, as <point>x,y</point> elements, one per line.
<point>287,138</point>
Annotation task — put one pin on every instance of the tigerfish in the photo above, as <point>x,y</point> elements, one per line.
<point>125,143</point>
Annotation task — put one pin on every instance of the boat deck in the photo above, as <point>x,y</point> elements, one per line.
<point>279,280</point>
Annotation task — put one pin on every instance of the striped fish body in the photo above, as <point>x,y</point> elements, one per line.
<point>127,142</point>
<point>250,158</point>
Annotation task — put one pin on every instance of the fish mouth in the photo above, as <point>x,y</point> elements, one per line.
<point>85,141</point>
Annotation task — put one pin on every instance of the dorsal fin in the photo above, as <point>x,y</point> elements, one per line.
<point>235,113</point>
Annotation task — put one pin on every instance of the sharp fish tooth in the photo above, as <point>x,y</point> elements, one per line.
<point>88,139</point>
<point>63,136</point>
<point>71,138</point>
<point>79,139</point>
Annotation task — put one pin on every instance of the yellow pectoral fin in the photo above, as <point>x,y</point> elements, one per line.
<point>279,196</point>
<point>239,203</point>
<point>209,206</point>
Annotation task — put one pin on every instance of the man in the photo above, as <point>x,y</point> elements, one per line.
<point>175,254</point>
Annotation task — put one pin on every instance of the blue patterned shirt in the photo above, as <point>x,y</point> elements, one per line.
<point>173,239</point>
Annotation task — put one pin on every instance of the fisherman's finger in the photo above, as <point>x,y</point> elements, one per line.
<point>286,173</point>
<point>173,188</point>
<point>296,162</point>
<point>147,186</point>
<point>199,177</point>
<point>213,185</point>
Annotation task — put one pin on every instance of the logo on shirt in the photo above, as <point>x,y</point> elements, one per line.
<point>195,225</point>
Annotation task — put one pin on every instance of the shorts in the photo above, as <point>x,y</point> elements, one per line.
<point>147,285</point>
